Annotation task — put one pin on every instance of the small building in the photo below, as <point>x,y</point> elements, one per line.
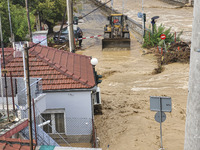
<point>67,90</point>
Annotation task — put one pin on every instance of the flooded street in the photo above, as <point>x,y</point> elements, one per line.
<point>176,17</point>
<point>128,82</point>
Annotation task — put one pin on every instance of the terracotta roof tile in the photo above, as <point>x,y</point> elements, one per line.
<point>44,51</point>
<point>57,57</point>
<point>58,69</point>
<point>51,54</point>
<point>64,59</point>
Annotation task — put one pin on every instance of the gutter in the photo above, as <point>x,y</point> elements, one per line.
<point>70,90</point>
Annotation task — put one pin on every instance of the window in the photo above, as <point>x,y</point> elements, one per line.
<point>47,128</point>
<point>56,122</point>
<point>59,121</point>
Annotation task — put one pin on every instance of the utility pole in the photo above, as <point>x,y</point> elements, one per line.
<point>28,96</point>
<point>28,19</point>
<point>11,32</point>
<point>192,125</point>
<point>70,25</point>
<point>4,71</point>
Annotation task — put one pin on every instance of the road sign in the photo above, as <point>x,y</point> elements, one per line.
<point>163,36</point>
<point>158,117</point>
<point>140,15</point>
<point>160,104</point>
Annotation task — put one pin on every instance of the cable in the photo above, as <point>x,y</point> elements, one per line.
<point>67,26</point>
<point>96,9</point>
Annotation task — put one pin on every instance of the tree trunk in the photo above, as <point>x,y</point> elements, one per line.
<point>61,27</point>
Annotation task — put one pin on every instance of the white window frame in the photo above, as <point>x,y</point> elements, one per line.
<point>53,120</point>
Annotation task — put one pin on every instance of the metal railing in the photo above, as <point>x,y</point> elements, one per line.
<point>42,137</point>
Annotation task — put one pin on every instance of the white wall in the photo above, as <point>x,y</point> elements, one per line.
<point>78,110</point>
<point>10,103</point>
<point>40,104</point>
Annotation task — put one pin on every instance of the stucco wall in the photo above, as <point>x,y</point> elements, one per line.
<point>78,110</point>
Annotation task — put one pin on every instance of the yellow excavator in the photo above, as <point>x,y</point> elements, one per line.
<point>116,33</point>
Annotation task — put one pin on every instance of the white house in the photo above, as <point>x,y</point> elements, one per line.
<point>68,89</point>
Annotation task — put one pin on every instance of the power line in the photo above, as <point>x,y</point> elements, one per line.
<point>96,9</point>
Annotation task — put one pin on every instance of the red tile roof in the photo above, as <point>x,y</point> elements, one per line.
<point>14,144</point>
<point>58,69</point>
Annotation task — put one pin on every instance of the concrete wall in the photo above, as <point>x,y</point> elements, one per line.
<point>78,110</point>
<point>192,125</point>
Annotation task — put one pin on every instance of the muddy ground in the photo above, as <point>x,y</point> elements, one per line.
<point>128,83</point>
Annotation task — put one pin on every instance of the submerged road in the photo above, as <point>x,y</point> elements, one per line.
<point>127,122</point>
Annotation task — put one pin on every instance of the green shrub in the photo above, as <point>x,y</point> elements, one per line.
<point>153,39</point>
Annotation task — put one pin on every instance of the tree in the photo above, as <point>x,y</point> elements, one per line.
<point>19,21</point>
<point>50,11</point>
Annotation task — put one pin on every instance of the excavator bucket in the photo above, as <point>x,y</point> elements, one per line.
<point>116,43</point>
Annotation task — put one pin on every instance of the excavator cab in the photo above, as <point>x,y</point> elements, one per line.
<point>116,33</point>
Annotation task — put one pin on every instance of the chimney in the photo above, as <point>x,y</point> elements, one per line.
<point>18,48</point>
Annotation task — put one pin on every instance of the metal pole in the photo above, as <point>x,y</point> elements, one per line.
<point>161,144</point>
<point>4,66</point>
<point>28,19</point>
<point>143,23</point>
<point>192,125</point>
<point>23,56</point>
<point>1,86</point>
<point>165,46</point>
<point>34,121</point>
<point>28,96</point>
<point>11,32</point>
<point>13,99</point>
<point>123,6</point>
<point>70,25</point>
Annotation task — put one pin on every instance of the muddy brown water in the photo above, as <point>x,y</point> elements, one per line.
<point>127,122</point>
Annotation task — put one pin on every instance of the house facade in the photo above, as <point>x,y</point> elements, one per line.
<point>68,89</point>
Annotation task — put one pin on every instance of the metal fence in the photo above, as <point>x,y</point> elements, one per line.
<point>17,91</point>
<point>77,130</point>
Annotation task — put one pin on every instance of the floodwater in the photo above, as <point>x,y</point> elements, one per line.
<point>127,122</point>
<point>177,18</point>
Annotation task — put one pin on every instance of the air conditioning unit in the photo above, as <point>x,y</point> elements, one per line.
<point>97,100</point>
